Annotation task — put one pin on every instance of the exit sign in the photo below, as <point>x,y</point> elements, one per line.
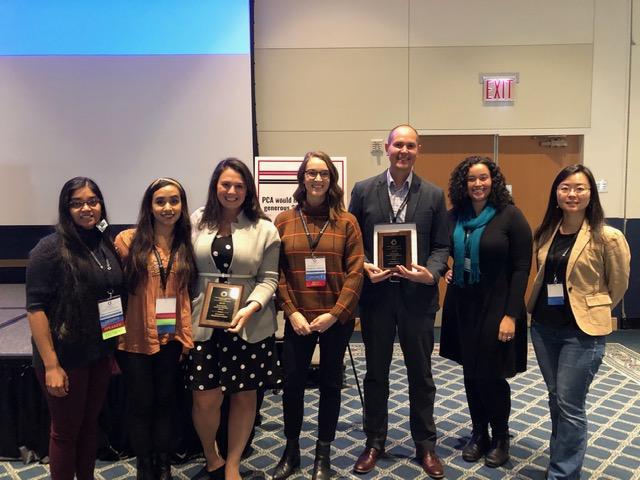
<point>498,88</point>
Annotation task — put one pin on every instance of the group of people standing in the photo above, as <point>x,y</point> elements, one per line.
<point>317,260</point>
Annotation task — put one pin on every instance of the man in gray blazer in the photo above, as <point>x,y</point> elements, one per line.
<point>405,301</point>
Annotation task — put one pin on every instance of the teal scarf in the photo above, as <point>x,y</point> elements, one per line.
<point>466,242</point>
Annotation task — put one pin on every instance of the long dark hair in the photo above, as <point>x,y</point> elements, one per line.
<point>333,198</point>
<point>69,311</point>
<point>250,207</point>
<point>136,265</point>
<point>459,191</point>
<point>552,217</point>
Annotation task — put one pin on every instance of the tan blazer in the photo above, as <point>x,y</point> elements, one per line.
<point>597,277</point>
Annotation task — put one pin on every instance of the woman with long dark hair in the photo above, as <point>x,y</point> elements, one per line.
<point>234,243</point>
<point>583,272</point>
<point>159,267</point>
<point>320,281</point>
<point>484,320</point>
<point>74,282</point>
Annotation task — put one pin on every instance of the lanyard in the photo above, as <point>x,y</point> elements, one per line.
<point>164,274</point>
<point>102,267</point>
<point>312,243</point>
<point>562,255</point>
<point>105,269</point>
<point>394,216</point>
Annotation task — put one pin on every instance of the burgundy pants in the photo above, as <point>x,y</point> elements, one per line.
<point>74,420</point>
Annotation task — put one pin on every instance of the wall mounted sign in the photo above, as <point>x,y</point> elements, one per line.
<point>276,180</point>
<point>498,88</point>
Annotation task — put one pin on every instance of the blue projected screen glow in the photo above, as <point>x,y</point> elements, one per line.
<point>121,91</point>
<point>124,27</point>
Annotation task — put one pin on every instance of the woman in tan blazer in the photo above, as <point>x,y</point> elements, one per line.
<point>583,272</point>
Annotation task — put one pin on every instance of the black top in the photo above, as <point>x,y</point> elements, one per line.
<point>555,271</point>
<point>222,252</point>
<point>472,314</point>
<point>45,292</point>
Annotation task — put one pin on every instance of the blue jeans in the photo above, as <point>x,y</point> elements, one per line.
<point>568,359</point>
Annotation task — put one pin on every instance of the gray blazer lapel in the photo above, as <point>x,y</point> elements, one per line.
<point>414,198</point>
<point>383,197</point>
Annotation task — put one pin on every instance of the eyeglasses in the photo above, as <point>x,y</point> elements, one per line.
<point>312,174</point>
<point>579,190</point>
<point>78,204</point>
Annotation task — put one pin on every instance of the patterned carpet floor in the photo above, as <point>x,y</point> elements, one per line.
<point>614,425</point>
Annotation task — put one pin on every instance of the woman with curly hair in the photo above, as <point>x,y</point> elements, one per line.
<point>159,267</point>
<point>73,278</point>
<point>583,272</point>
<point>484,321</point>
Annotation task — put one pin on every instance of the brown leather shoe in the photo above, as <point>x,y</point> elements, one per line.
<point>367,460</point>
<point>431,464</point>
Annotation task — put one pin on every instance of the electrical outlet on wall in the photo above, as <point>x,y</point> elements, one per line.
<point>602,185</point>
<point>377,146</point>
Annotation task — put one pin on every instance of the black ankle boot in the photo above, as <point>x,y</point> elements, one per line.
<point>322,464</point>
<point>163,466</point>
<point>476,447</point>
<point>289,462</point>
<point>498,452</point>
<point>144,467</point>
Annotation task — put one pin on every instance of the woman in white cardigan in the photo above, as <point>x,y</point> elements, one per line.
<point>234,243</point>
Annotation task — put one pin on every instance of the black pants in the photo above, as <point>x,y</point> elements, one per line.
<point>151,382</point>
<point>297,353</point>
<point>489,403</point>
<point>380,319</point>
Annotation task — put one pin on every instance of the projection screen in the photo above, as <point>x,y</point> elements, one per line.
<point>123,92</point>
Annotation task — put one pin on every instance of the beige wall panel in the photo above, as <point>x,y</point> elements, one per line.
<point>500,22</point>
<point>605,147</point>
<point>633,171</point>
<point>554,89</point>
<point>331,89</point>
<point>330,23</point>
<point>353,145</point>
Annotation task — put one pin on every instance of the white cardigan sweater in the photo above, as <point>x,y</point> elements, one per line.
<point>256,250</point>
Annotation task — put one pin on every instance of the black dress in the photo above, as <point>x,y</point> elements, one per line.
<point>472,314</point>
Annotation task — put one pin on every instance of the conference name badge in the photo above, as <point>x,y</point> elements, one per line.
<point>315,272</point>
<point>467,264</point>
<point>111,317</point>
<point>555,294</point>
<point>166,315</point>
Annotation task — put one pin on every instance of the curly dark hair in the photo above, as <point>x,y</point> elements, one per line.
<point>458,189</point>
<point>333,199</point>
<point>553,215</point>
<point>136,265</point>
<point>250,207</point>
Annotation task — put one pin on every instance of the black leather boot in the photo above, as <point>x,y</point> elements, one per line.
<point>476,447</point>
<point>322,464</point>
<point>163,466</point>
<point>144,467</point>
<point>290,461</point>
<point>498,453</point>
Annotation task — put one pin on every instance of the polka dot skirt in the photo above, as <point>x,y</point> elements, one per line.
<point>229,362</point>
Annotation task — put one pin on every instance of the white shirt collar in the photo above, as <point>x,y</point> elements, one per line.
<point>390,179</point>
